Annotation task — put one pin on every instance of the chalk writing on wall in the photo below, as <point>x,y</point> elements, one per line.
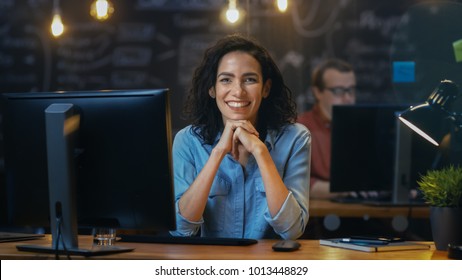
<point>158,43</point>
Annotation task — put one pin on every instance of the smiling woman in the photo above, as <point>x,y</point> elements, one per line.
<point>242,166</point>
<point>239,88</point>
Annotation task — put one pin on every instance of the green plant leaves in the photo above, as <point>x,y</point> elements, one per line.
<point>442,188</point>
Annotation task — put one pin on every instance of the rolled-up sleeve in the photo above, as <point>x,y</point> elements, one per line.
<point>184,172</point>
<point>291,220</point>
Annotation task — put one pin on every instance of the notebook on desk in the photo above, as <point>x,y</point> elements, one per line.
<point>392,246</point>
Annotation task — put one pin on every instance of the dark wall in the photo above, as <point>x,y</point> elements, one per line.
<point>152,43</point>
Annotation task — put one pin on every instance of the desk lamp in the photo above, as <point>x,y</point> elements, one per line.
<point>426,119</point>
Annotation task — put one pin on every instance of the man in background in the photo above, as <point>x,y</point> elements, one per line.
<point>333,82</point>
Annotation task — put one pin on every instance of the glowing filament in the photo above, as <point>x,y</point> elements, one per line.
<point>232,14</point>
<point>101,9</point>
<point>57,26</point>
<point>282,5</point>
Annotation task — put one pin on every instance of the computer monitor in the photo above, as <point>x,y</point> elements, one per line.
<point>109,150</point>
<point>363,141</point>
<point>371,152</point>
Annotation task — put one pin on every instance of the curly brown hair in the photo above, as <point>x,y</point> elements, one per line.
<point>278,109</point>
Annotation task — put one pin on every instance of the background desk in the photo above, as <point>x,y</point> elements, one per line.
<point>310,250</point>
<point>322,208</point>
<point>330,219</point>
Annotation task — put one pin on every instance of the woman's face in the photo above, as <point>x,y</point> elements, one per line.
<point>239,89</point>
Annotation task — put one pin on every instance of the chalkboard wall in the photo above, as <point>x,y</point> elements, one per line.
<point>157,43</point>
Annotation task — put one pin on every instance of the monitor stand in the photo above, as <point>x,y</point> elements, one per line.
<point>94,251</point>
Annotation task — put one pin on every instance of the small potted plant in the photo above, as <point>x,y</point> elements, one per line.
<point>442,190</point>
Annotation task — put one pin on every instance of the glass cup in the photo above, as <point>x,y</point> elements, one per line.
<point>104,236</point>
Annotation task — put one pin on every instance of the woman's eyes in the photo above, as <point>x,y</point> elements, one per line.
<point>250,80</point>
<point>246,80</point>
<point>225,80</point>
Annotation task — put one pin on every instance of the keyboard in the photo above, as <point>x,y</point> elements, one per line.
<point>347,199</point>
<point>193,240</point>
<point>410,203</point>
<point>378,202</point>
<point>16,236</point>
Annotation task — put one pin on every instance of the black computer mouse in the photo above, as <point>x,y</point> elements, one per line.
<point>286,246</point>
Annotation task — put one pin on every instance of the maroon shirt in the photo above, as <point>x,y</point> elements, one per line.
<point>319,127</point>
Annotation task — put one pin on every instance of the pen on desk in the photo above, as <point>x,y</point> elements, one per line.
<point>363,241</point>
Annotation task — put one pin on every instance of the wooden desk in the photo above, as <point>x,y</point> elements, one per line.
<point>322,208</point>
<point>310,250</point>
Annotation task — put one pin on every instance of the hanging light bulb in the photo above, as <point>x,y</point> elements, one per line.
<point>282,5</point>
<point>101,9</point>
<point>232,14</point>
<point>57,26</point>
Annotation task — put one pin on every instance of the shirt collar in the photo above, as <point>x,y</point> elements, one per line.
<point>320,115</point>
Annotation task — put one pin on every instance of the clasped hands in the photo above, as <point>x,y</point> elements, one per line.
<point>239,133</point>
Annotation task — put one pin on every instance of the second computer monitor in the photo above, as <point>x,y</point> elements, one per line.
<point>364,147</point>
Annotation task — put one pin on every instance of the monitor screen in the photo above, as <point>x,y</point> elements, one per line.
<point>363,143</point>
<point>371,151</point>
<point>121,153</point>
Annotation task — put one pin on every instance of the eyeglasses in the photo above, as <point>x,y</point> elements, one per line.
<point>341,91</point>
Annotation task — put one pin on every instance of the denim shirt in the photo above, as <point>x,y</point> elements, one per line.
<point>237,205</point>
